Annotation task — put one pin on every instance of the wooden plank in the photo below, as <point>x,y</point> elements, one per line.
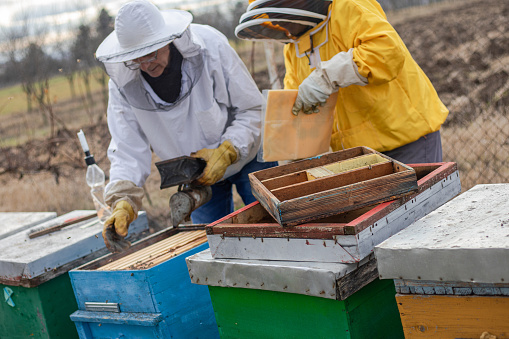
<point>302,165</point>
<point>318,172</point>
<point>178,251</point>
<point>51,229</point>
<point>285,180</point>
<point>356,280</point>
<point>255,214</point>
<point>149,250</point>
<point>332,182</point>
<point>357,162</point>
<point>274,230</point>
<point>370,192</point>
<point>432,316</point>
<point>256,222</point>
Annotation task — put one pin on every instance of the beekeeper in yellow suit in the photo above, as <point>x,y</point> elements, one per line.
<point>385,101</point>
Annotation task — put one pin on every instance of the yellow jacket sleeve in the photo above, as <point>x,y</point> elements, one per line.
<point>378,51</point>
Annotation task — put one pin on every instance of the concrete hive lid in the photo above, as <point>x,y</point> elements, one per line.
<point>13,222</point>
<point>30,262</point>
<point>465,240</point>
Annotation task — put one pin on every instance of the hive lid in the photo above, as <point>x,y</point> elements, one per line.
<point>308,278</point>
<point>29,262</point>
<point>465,240</point>
<point>13,222</point>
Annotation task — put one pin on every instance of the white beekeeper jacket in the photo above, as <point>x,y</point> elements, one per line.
<point>223,104</point>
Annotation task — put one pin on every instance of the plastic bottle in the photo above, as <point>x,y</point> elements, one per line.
<point>95,179</point>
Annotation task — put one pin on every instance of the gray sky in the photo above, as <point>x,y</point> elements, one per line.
<point>70,13</point>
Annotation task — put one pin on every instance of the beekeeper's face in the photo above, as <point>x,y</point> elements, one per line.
<point>154,63</point>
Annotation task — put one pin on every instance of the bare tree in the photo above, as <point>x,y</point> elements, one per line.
<point>82,51</point>
<point>67,63</point>
<point>16,40</point>
<point>223,18</point>
<point>103,28</point>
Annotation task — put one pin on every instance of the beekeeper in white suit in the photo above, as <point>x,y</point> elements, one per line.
<point>180,89</point>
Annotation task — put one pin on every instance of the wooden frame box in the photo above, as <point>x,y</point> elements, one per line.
<point>319,187</point>
<point>252,233</point>
<point>145,292</point>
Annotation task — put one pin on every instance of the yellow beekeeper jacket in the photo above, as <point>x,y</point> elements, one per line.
<point>397,106</point>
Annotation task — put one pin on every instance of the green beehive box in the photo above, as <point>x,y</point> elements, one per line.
<point>36,297</point>
<point>282,299</point>
<point>38,312</point>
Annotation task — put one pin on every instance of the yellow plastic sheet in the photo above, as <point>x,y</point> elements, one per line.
<point>289,137</point>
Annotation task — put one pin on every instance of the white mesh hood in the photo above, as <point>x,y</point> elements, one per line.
<point>138,93</point>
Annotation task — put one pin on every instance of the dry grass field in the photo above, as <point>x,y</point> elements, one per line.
<point>463,46</point>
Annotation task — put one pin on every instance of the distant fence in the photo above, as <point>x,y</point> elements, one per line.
<point>463,47</point>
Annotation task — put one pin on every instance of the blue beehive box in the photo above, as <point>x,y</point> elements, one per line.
<point>145,292</point>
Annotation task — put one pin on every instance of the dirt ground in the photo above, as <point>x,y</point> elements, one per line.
<point>463,47</point>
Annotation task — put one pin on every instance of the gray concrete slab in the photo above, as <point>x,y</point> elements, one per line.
<point>465,240</point>
<point>13,222</point>
<point>25,258</point>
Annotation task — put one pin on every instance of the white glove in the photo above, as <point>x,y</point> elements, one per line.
<point>313,91</point>
<point>339,71</point>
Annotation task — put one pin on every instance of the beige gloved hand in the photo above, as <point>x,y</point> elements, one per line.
<point>218,159</point>
<point>116,227</point>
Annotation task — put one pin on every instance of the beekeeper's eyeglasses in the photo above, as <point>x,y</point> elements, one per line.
<point>136,63</point>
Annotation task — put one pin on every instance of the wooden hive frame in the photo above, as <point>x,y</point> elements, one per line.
<point>157,253</point>
<point>151,251</point>
<point>292,198</point>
